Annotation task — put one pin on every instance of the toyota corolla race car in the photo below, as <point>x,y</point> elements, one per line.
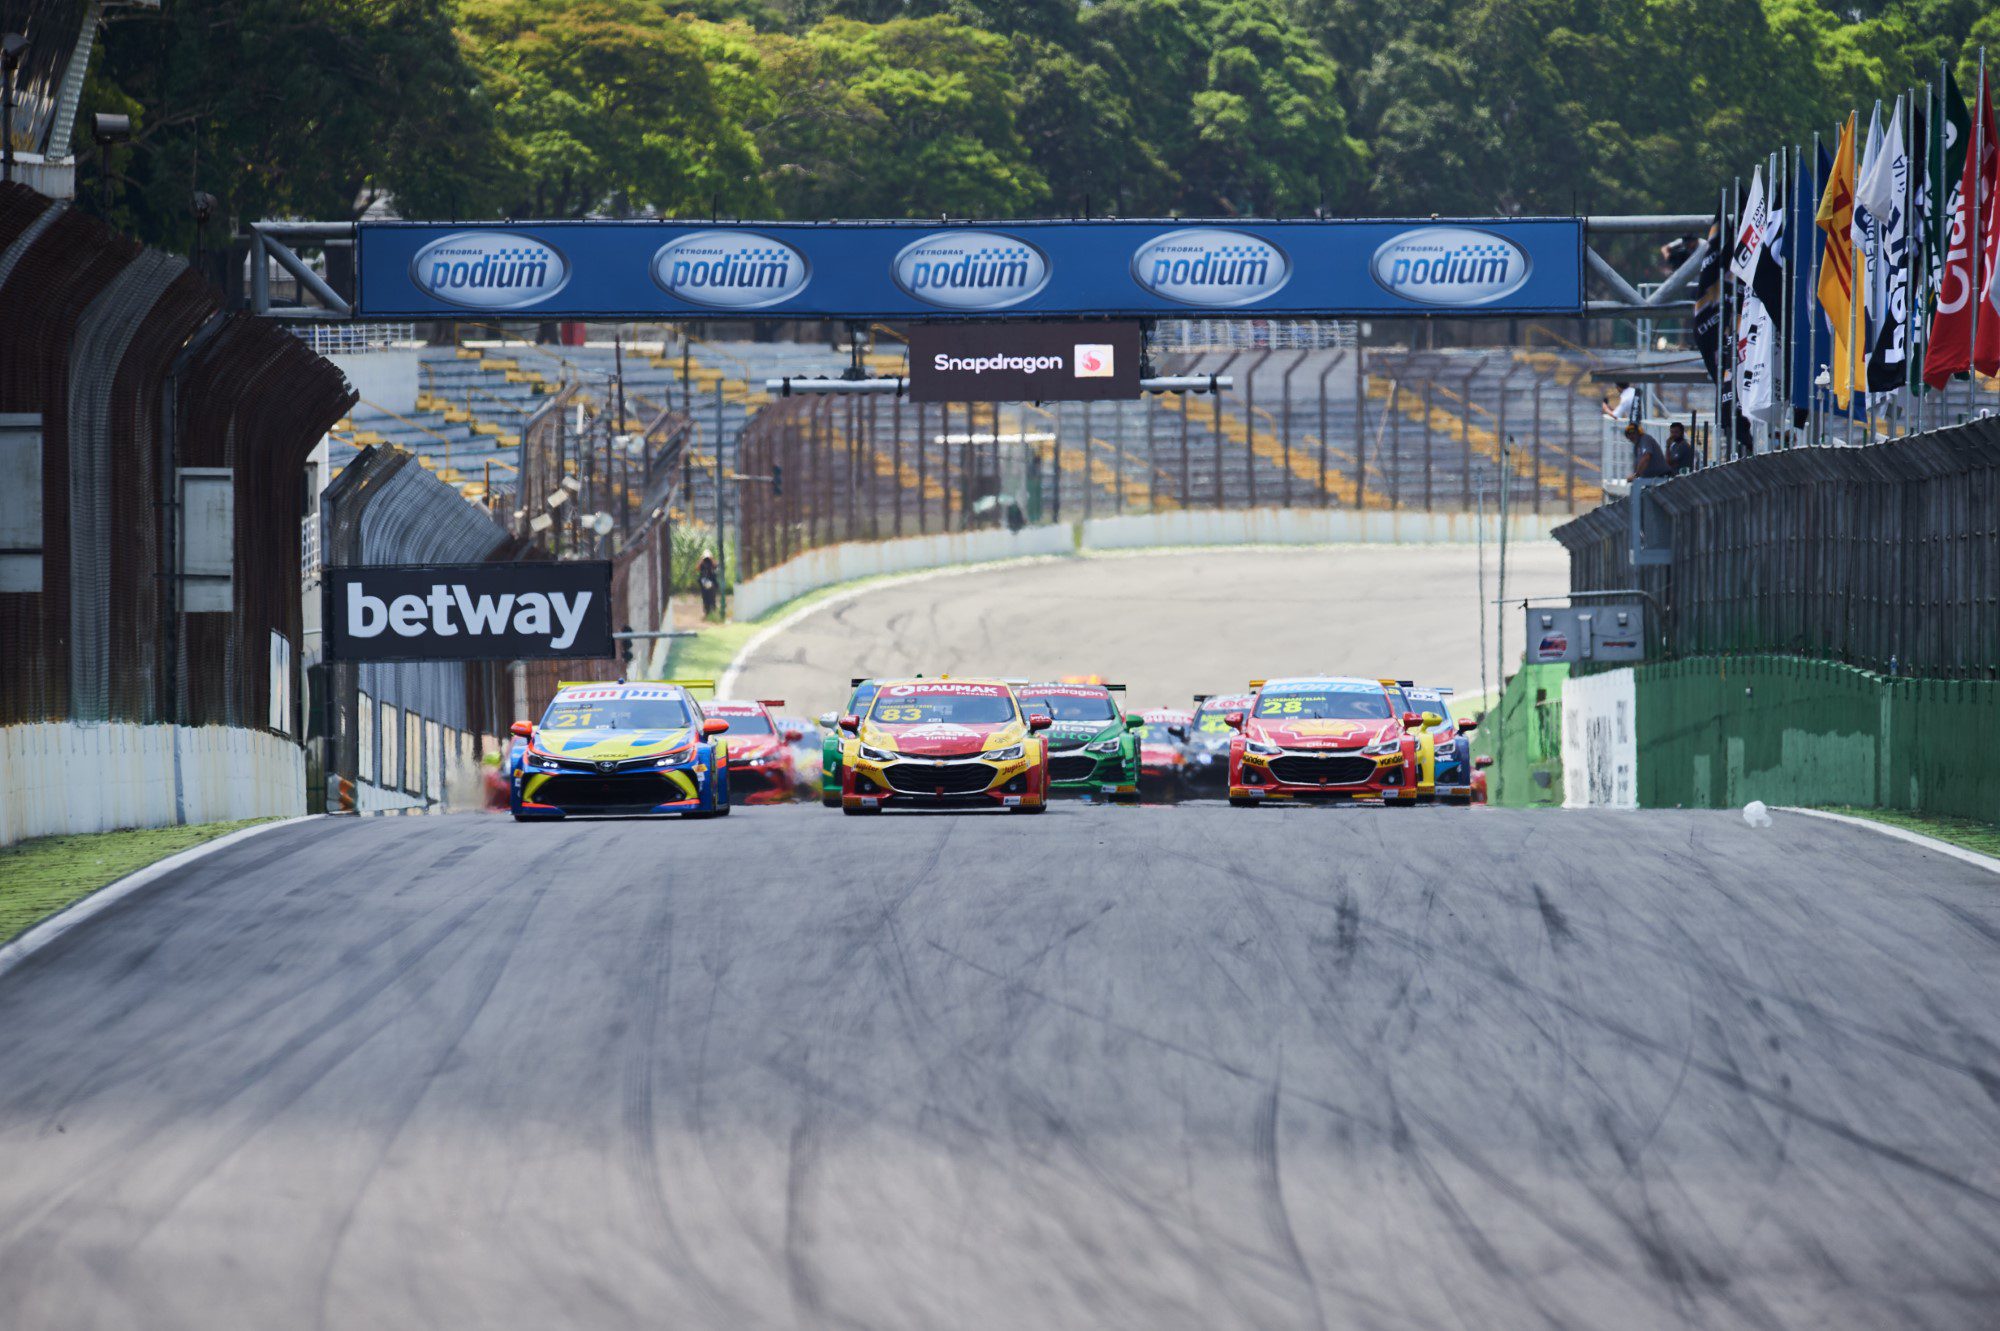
<point>944,743</point>
<point>1092,747</point>
<point>621,748</point>
<point>1163,752</point>
<point>1207,767</point>
<point>760,755</point>
<point>835,749</point>
<point>1453,771</point>
<point>1322,737</point>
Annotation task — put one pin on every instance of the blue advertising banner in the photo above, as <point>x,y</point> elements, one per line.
<point>883,270</point>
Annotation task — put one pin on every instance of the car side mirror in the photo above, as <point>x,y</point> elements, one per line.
<point>714,725</point>
<point>1433,719</point>
<point>1483,760</point>
<point>1234,720</point>
<point>1178,732</point>
<point>1135,722</point>
<point>525,729</point>
<point>1039,721</point>
<point>1467,725</point>
<point>793,735</point>
<point>1411,720</point>
<point>851,724</point>
<point>829,720</point>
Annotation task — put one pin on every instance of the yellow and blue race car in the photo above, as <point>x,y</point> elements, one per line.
<point>621,748</point>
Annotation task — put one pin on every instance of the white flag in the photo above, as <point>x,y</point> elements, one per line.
<point>1751,225</point>
<point>1756,334</point>
<point>1866,233</point>
<point>1879,212</point>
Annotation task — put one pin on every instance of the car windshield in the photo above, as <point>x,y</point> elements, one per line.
<point>745,722</point>
<point>1071,706</point>
<point>924,705</point>
<point>1159,732</point>
<point>616,714</point>
<point>1336,704</point>
<point>1419,703</point>
<point>1212,719</point>
<point>863,695</point>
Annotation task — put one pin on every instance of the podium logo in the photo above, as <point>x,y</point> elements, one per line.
<point>489,270</point>
<point>970,270</point>
<point>730,270</point>
<point>1450,265</point>
<point>1208,266</point>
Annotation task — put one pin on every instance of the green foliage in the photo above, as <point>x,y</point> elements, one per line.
<point>897,108</point>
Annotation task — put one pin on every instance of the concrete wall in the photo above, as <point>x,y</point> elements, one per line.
<point>1600,741</point>
<point>863,559</point>
<point>385,378</point>
<point>67,777</point>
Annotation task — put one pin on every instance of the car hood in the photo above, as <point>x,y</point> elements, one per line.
<point>943,740</point>
<point>1158,753</point>
<point>609,745</point>
<point>1068,734</point>
<point>1314,733</point>
<point>752,748</point>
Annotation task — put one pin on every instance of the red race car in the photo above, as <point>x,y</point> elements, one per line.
<point>761,767</point>
<point>1322,737</point>
<point>945,743</point>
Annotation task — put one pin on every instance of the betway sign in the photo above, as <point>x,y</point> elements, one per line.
<point>469,612</point>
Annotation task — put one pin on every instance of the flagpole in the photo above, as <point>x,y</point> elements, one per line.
<point>1814,419</point>
<point>1781,390</point>
<point>1854,284</point>
<point>1976,237</point>
<point>1920,274</point>
<point>1721,303</point>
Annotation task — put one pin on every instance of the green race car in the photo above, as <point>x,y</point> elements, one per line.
<point>1093,745</point>
<point>834,746</point>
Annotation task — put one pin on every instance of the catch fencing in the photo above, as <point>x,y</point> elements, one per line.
<point>1885,556</point>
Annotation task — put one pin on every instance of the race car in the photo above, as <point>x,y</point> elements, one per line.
<point>833,749</point>
<point>1206,772</point>
<point>1093,749</point>
<point>945,743</point>
<point>803,739</point>
<point>1423,789</point>
<point>617,747</point>
<point>1163,752</point>
<point>1322,737</point>
<point>1453,773</point>
<point>761,770</point>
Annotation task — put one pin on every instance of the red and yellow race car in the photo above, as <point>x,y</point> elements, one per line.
<point>1323,737</point>
<point>762,769</point>
<point>945,743</point>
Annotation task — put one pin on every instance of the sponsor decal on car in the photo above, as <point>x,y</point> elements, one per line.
<point>944,689</point>
<point>489,270</point>
<point>1450,265</point>
<point>730,270</point>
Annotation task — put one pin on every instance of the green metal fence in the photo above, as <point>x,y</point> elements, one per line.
<point>1523,732</point>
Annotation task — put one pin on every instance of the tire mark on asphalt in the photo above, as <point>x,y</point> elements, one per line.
<point>1271,1192</point>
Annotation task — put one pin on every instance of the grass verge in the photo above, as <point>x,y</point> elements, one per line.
<point>40,876</point>
<point>1965,833</point>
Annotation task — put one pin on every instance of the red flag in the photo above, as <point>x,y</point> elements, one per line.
<point>1951,351</point>
<point>1986,346</point>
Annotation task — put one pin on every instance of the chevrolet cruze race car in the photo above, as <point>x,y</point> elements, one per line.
<point>1163,752</point>
<point>761,770</point>
<point>1092,750</point>
<point>1322,737</point>
<point>1453,771</point>
<point>1422,788</point>
<point>944,743</point>
<point>620,748</point>
<point>834,749</point>
<point>1207,768</point>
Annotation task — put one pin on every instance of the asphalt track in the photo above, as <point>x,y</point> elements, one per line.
<point>1146,1068</point>
<point>1168,624</point>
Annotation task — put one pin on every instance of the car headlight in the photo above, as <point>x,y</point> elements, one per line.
<point>535,762</point>
<point>874,755</point>
<point>1101,746</point>
<point>1386,746</point>
<point>1261,749</point>
<point>1006,755</point>
<point>676,756</point>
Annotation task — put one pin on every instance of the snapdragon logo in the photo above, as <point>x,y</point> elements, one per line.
<point>489,270</point>
<point>1451,265</point>
<point>730,270</point>
<point>450,608</point>
<point>1208,266</point>
<point>970,270</point>
<point>987,364</point>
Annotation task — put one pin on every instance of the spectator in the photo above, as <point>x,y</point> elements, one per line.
<point>1680,449</point>
<point>1626,408</point>
<point>1649,460</point>
<point>709,579</point>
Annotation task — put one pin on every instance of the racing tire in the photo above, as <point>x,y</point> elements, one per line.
<point>1239,802</point>
<point>723,812</point>
<point>829,801</point>
<point>859,813</point>
<point>1043,807</point>
<point>1457,801</point>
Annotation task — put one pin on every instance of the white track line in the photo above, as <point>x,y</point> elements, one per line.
<point>1986,862</point>
<point>39,937</point>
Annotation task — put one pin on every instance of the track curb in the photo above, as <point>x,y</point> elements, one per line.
<point>1973,857</point>
<point>104,898</point>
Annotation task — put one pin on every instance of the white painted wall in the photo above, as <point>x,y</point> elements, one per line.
<point>68,777</point>
<point>1304,526</point>
<point>866,559</point>
<point>385,377</point>
<point>1600,741</point>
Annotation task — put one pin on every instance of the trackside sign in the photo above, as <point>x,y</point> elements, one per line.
<point>1024,362</point>
<point>468,612</point>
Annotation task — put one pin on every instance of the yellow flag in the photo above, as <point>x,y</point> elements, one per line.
<point>1837,265</point>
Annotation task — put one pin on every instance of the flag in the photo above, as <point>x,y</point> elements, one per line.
<point>1986,342</point>
<point>1867,242</point>
<point>1756,334</point>
<point>1836,269</point>
<point>1707,323</point>
<point>1948,140</point>
<point>1879,213</point>
<point>1960,275</point>
<point>1803,244</point>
